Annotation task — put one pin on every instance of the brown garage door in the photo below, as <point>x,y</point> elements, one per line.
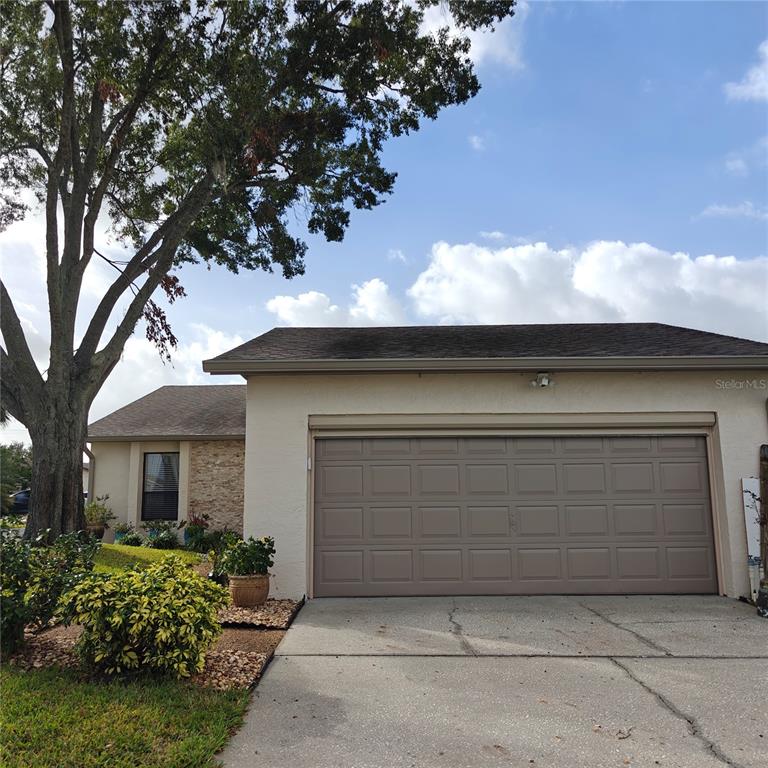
<point>527,515</point>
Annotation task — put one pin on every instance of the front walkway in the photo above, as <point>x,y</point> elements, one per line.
<point>522,681</point>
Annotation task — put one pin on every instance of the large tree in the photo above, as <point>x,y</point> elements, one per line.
<point>192,129</point>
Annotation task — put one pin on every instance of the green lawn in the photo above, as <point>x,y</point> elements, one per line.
<point>116,557</point>
<point>53,719</point>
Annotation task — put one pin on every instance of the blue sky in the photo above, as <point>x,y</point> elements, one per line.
<point>613,167</point>
<point>616,127</point>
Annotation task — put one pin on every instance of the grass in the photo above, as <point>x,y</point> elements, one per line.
<point>116,557</point>
<point>53,719</point>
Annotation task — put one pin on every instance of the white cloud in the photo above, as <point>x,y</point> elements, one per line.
<point>754,85</point>
<point>395,254</point>
<point>743,161</point>
<point>745,210</point>
<point>736,165</point>
<point>604,282</point>
<point>476,142</point>
<point>503,46</point>
<point>493,235</point>
<point>371,304</point>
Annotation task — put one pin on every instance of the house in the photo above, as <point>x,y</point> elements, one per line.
<point>528,459</point>
<point>179,450</point>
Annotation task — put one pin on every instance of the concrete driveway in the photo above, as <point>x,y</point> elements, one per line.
<point>513,681</point>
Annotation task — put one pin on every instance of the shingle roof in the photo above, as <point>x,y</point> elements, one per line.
<point>579,340</point>
<point>176,412</point>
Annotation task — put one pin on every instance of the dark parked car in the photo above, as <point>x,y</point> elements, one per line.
<point>20,502</point>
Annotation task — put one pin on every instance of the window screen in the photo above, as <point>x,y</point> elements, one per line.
<point>160,498</point>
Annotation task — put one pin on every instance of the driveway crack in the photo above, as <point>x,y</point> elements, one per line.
<point>692,724</point>
<point>650,643</point>
<point>458,631</point>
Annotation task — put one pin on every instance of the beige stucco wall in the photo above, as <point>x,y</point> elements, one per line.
<point>110,475</point>
<point>216,482</point>
<point>210,478</point>
<point>117,470</point>
<point>278,482</point>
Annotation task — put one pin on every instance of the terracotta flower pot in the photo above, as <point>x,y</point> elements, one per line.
<point>95,530</point>
<point>249,591</point>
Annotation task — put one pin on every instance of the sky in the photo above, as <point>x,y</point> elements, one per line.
<point>613,168</point>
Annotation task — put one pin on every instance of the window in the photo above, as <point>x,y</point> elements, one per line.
<point>160,498</point>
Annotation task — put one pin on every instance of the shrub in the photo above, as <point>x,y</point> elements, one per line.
<point>122,527</point>
<point>160,619</point>
<point>245,558</point>
<point>54,569</point>
<point>132,539</point>
<point>97,512</point>
<point>163,540</point>
<point>14,573</point>
<point>195,536</point>
<point>14,522</point>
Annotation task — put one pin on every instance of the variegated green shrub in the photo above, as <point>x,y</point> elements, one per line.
<point>161,619</point>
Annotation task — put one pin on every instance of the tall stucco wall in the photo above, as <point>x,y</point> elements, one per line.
<point>216,481</point>
<point>111,475</point>
<point>277,478</point>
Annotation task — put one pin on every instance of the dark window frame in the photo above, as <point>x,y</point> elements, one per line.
<point>170,495</point>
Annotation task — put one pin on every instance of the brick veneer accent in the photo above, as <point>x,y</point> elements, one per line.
<point>216,475</point>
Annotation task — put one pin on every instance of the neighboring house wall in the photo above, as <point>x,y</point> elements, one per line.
<point>278,484</point>
<point>216,482</point>
<point>210,478</point>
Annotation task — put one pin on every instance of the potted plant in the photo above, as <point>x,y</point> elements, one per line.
<point>121,530</point>
<point>219,542</point>
<point>195,527</point>
<point>247,564</point>
<point>98,516</point>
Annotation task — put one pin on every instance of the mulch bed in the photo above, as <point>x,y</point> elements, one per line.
<point>236,660</point>
<point>274,614</point>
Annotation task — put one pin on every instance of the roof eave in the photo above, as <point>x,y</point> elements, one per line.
<point>117,438</point>
<point>229,367</point>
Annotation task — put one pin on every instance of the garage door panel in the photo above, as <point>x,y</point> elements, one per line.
<point>390,522</point>
<point>440,522</point>
<point>441,565</point>
<point>341,566</point>
<point>390,480</point>
<point>588,563</point>
<point>490,564</point>
<point>437,446</point>
<point>484,521</point>
<point>537,520</point>
<point>682,477</point>
<point>391,565</point>
<point>584,479</point>
<point>586,520</point>
<point>535,479</point>
<point>487,515</point>
<point>523,447</point>
<point>438,479</point>
<point>342,481</point>
<point>686,519</point>
<point>487,479</point>
<point>639,562</point>
<point>539,563</point>
<point>340,523</point>
<point>634,478</point>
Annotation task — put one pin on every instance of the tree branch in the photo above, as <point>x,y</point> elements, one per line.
<point>10,400</point>
<point>146,258</point>
<point>21,363</point>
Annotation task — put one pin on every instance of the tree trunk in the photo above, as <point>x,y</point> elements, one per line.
<point>56,499</point>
